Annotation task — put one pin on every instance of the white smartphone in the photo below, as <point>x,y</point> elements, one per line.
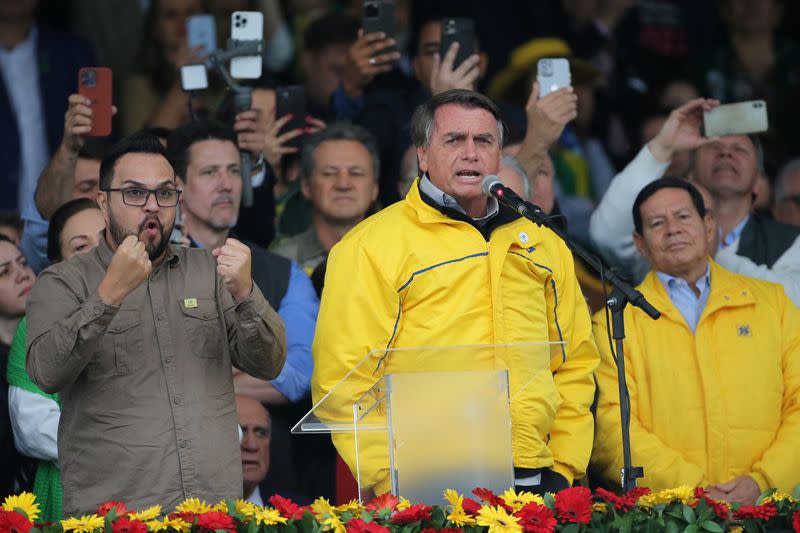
<point>736,119</point>
<point>553,74</point>
<point>194,77</point>
<point>247,26</point>
<point>201,30</point>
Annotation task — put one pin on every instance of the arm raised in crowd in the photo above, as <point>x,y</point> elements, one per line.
<point>547,118</point>
<point>57,180</point>
<point>611,225</point>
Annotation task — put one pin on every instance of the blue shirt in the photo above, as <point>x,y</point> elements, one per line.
<point>690,305</point>
<point>298,309</point>
<point>733,236</point>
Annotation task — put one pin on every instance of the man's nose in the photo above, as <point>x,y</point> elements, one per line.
<point>152,203</point>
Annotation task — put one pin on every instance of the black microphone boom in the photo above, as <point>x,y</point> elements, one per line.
<point>493,186</point>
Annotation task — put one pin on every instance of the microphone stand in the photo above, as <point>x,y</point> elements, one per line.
<point>622,294</point>
<point>242,99</point>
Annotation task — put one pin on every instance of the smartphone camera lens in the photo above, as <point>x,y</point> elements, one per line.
<point>89,78</point>
<point>547,67</point>
<point>450,27</point>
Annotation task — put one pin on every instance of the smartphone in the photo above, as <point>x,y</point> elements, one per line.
<point>194,77</point>
<point>292,99</point>
<point>462,31</point>
<point>201,30</point>
<point>736,119</point>
<point>95,84</point>
<point>247,26</point>
<point>378,16</point>
<point>553,74</point>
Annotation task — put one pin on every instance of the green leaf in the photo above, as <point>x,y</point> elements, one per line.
<point>627,523</point>
<point>691,528</point>
<point>572,528</point>
<point>672,527</point>
<point>438,518</point>
<point>549,501</point>
<point>231,505</point>
<point>712,526</point>
<point>796,492</point>
<point>751,525</point>
<point>766,493</point>
<point>252,527</point>
<point>689,515</point>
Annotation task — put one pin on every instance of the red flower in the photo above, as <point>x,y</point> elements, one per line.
<point>796,521</point>
<point>13,522</point>
<point>416,513</point>
<point>624,502</point>
<point>384,501</point>
<point>119,507</point>
<point>126,525</point>
<point>286,507</point>
<point>721,509</point>
<point>216,520</point>
<point>489,497</point>
<point>574,505</point>
<point>471,507</point>
<point>189,518</point>
<point>356,525</point>
<point>763,512</point>
<point>536,518</point>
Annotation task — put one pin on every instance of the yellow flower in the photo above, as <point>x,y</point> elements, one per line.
<point>268,516</point>
<point>777,497</point>
<point>193,505</point>
<point>245,508</point>
<point>155,526</point>
<point>459,518</point>
<point>519,500</point>
<point>322,507</point>
<point>600,507</point>
<point>147,515</point>
<point>403,504</point>
<point>498,520</point>
<point>332,523</point>
<point>221,507</point>
<point>353,506</point>
<point>683,494</point>
<point>174,524</point>
<point>735,529</point>
<point>453,498</point>
<point>84,524</point>
<point>25,502</point>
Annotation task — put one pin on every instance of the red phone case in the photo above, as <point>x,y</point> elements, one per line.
<point>97,87</point>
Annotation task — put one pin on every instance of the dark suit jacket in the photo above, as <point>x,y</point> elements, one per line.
<point>59,57</point>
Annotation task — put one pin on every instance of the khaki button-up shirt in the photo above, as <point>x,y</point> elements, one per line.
<point>148,411</point>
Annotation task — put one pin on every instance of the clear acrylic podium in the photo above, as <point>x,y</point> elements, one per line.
<point>427,419</point>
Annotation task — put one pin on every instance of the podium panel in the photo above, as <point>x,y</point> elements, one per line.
<point>424,419</point>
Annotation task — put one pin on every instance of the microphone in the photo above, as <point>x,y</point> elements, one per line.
<point>493,186</point>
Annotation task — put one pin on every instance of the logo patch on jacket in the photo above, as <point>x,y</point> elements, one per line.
<point>744,330</point>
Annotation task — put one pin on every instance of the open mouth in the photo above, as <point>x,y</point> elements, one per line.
<point>469,175</point>
<point>152,228</point>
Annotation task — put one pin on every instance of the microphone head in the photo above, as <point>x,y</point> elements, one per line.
<point>489,182</point>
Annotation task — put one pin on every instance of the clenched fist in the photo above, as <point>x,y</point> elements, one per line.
<point>233,264</point>
<point>129,267</point>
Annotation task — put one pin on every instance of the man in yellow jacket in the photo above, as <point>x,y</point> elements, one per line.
<point>715,382</point>
<point>448,266</point>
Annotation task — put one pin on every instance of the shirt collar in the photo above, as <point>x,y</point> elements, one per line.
<point>735,233</point>
<point>443,199</point>
<point>27,45</point>
<point>671,282</point>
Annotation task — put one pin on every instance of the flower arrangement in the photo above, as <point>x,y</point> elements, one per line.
<point>573,510</point>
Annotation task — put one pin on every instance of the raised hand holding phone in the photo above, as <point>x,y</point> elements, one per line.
<point>94,84</point>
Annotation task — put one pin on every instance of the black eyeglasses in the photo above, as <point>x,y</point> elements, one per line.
<point>137,196</point>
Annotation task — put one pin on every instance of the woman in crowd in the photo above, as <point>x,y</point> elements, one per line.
<point>74,228</point>
<point>16,281</point>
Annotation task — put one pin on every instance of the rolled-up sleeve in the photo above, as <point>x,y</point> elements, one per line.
<point>256,335</point>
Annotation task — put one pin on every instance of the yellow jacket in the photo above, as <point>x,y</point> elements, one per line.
<point>710,406</point>
<point>411,276</point>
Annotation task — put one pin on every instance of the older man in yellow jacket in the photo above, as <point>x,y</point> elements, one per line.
<point>715,382</point>
<point>447,266</point>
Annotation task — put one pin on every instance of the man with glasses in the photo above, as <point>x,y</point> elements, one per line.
<point>138,337</point>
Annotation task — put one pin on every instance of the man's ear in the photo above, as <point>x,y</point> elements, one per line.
<point>638,240</point>
<point>422,159</point>
<point>305,188</point>
<point>102,201</point>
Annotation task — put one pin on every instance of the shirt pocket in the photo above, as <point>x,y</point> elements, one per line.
<point>202,328</point>
<point>124,341</point>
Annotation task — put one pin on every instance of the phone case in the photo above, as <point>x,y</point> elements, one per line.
<point>378,15</point>
<point>201,30</point>
<point>736,119</point>
<point>553,74</point>
<point>461,30</point>
<point>95,84</point>
<point>247,26</point>
<point>291,99</point>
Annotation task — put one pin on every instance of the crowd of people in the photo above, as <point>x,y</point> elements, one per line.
<point>143,306</point>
